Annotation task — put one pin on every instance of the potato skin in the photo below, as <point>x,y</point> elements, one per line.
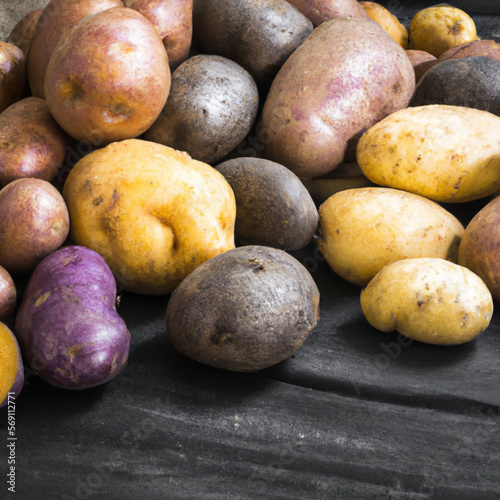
<point>153,213</point>
<point>403,149</point>
<point>108,77</point>
<point>319,11</point>
<point>478,249</point>
<point>421,61</point>
<point>55,20</point>
<point>8,295</point>
<point>344,78</point>
<point>362,230</point>
<point>212,106</point>
<point>244,310</point>
<point>273,208</point>
<point>67,323</point>
<point>22,33</point>
<point>12,74</point>
<point>32,144</point>
<point>473,82</point>
<point>428,300</point>
<point>34,222</point>
<point>11,365</point>
<point>173,19</point>
<point>257,34</point>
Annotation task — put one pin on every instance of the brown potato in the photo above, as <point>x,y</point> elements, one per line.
<point>244,310</point>
<point>273,208</point>
<point>22,33</point>
<point>478,250</point>
<point>343,79</point>
<point>34,222</point>
<point>257,35</point>
<point>12,74</point>
<point>32,144</point>
<point>8,295</point>
<point>488,48</point>
<point>421,61</point>
<point>319,11</point>
<point>109,78</point>
<point>173,19</point>
<point>56,19</point>
<point>211,107</point>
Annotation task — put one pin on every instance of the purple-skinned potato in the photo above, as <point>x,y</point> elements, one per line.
<point>67,324</point>
<point>8,294</point>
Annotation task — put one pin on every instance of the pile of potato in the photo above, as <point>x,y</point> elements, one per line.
<point>179,147</point>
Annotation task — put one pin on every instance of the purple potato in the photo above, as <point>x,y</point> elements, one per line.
<point>67,324</point>
<point>11,366</point>
<point>8,294</point>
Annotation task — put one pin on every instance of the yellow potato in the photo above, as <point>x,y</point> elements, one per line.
<point>152,212</point>
<point>439,28</point>
<point>362,230</point>
<point>446,153</point>
<point>429,300</point>
<point>391,24</point>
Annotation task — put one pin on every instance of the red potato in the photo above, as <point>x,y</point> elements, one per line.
<point>22,33</point>
<point>319,11</point>
<point>34,222</point>
<point>32,144</point>
<point>12,74</point>
<point>8,294</point>
<point>57,18</point>
<point>173,19</point>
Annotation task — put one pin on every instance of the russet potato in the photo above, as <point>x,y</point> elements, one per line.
<point>152,212</point>
<point>447,153</point>
<point>362,230</point>
<point>429,300</point>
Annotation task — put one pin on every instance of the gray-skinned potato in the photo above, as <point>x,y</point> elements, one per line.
<point>211,107</point>
<point>244,310</point>
<point>344,78</point>
<point>273,207</point>
<point>473,82</point>
<point>259,35</point>
<point>32,144</point>
<point>67,324</point>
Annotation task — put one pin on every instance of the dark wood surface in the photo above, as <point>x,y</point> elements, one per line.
<point>354,414</point>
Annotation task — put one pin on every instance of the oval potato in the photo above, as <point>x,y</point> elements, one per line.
<point>362,230</point>
<point>446,153</point>
<point>428,300</point>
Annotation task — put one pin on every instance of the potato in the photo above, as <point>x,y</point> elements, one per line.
<point>11,366</point>
<point>108,78</point>
<point>173,19</point>
<point>56,19</point>
<point>404,150</point>
<point>8,295</point>
<point>152,212</point>
<point>429,300</point>
<point>67,324</point>
<point>32,144</point>
<point>439,28</point>
<point>478,250</point>
<point>345,176</point>
<point>473,82</point>
<point>259,36</point>
<point>319,11</point>
<point>362,230</point>
<point>12,74</point>
<point>273,208</point>
<point>342,80</point>
<point>212,106</point>
<point>475,48</point>
<point>244,310</point>
<point>391,24</point>
<point>421,61</point>
<point>22,33</point>
<point>34,222</point>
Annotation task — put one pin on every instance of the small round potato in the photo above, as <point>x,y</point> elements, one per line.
<point>362,230</point>
<point>211,107</point>
<point>8,294</point>
<point>12,74</point>
<point>273,207</point>
<point>428,300</point>
<point>244,310</point>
